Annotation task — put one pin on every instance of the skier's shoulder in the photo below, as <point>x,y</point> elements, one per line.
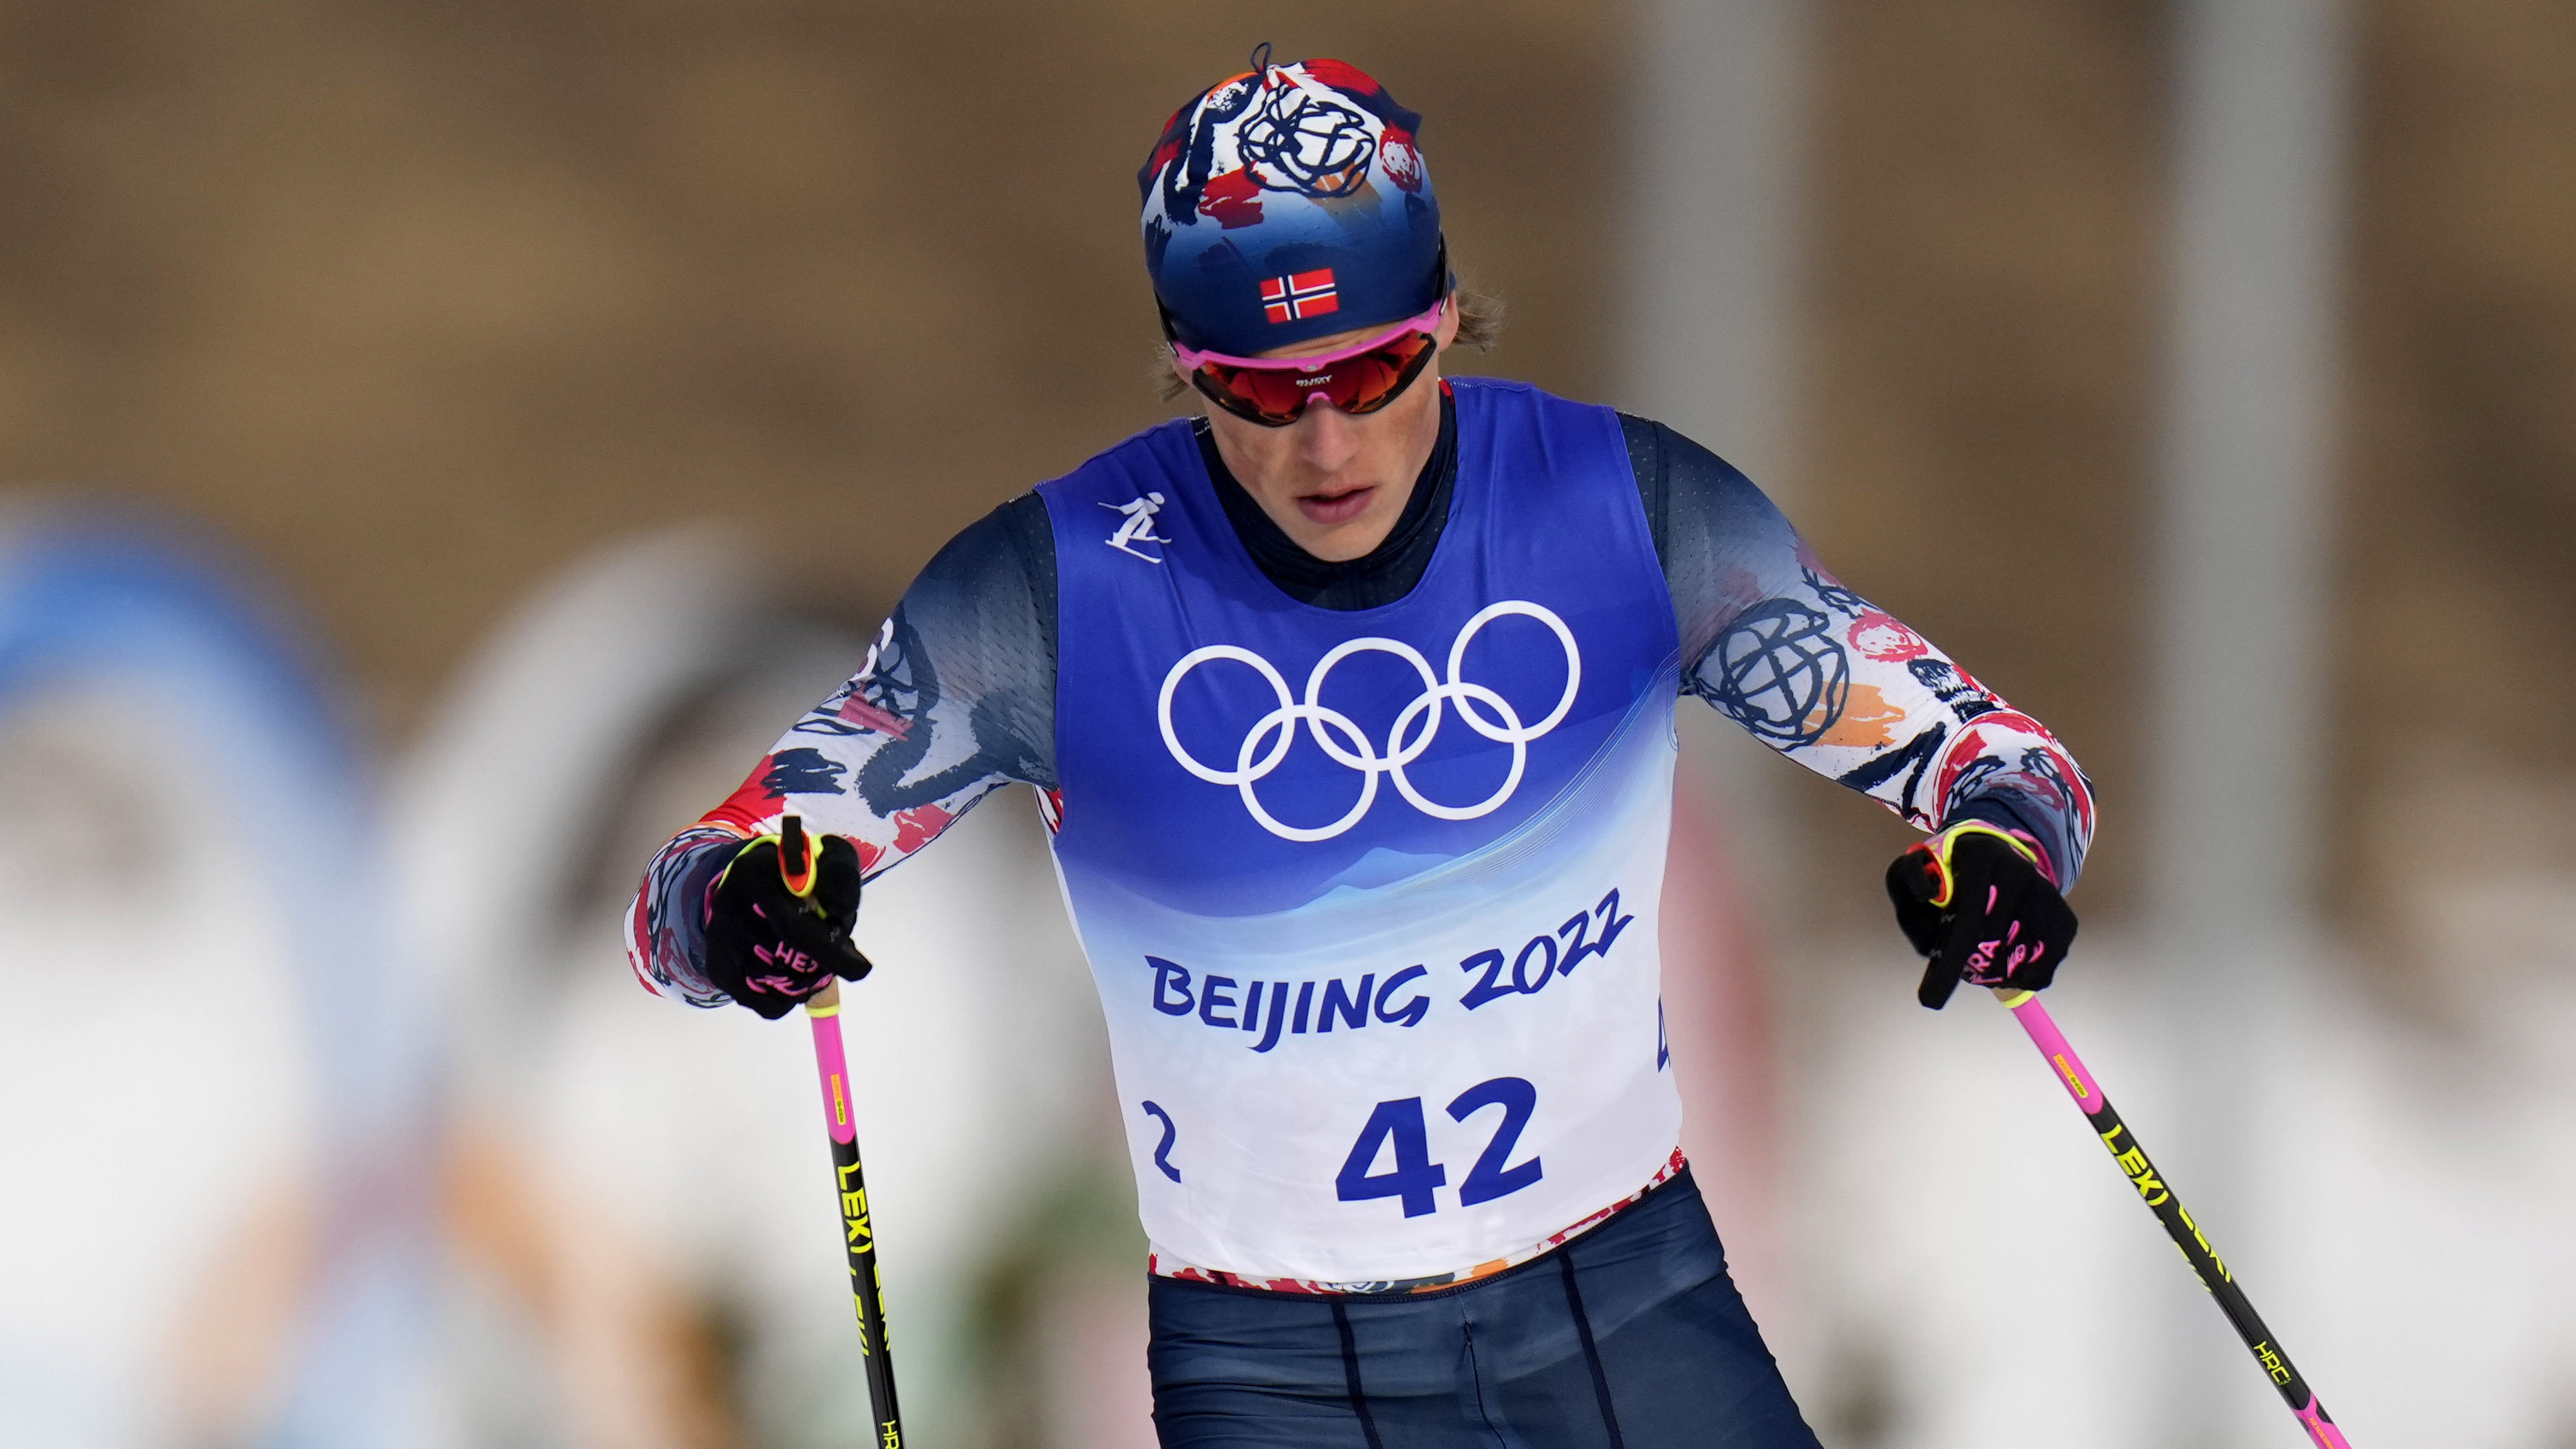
<point>1126,469</point>
<point>1017,535</point>
<point>1687,488</point>
<point>1479,391</point>
<point>1658,449</point>
<point>1498,387</point>
<point>1498,407</point>
<point>989,596</point>
<point>1013,541</point>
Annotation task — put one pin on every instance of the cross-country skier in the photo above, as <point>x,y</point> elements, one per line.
<point>1350,706</point>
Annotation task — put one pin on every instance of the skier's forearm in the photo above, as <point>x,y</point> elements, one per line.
<point>954,700</point>
<point>1776,643</point>
<point>666,927</point>
<point>849,768</point>
<point>668,923</point>
<point>1853,694</point>
<point>2054,831</point>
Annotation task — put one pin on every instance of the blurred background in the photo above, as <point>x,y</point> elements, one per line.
<point>443,444</point>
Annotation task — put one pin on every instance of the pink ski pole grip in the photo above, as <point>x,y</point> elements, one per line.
<point>823,1013</point>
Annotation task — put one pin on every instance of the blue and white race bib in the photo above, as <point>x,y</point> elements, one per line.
<point>1371,896</point>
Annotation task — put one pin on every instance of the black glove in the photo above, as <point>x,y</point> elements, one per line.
<point>1974,900</point>
<point>770,948</point>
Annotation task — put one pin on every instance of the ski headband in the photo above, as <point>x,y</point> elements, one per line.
<point>1286,203</point>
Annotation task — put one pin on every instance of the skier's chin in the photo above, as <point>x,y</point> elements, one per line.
<point>1331,510</point>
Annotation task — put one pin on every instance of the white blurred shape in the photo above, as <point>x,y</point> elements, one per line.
<point>1979,1257</point>
<point>1718,186</point>
<point>1719,157</point>
<point>2402,1227</point>
<point>207,1071</point>
<point>2240,722</point>
<point>2414,1182</point>
<point>153,1074</point>
<point>638,689</point>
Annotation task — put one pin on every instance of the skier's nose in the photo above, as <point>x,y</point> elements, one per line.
<point>1328,438</point>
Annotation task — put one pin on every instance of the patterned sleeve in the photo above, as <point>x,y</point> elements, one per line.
<point>1820,674</point>
<point>955,699</point>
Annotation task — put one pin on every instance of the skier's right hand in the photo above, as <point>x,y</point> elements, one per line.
<point>1979,906</point>
<point>770,948</point>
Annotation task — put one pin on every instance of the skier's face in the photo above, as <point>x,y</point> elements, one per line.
<point>1334,483</point>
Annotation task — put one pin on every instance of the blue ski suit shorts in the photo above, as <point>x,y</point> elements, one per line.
<point>1629,1337</point>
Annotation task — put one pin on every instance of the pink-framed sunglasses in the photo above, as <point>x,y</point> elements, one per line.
<point>1358,379</point>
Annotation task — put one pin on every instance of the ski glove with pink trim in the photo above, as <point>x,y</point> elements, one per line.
<point>1978,903</point>
<point>770,948</point>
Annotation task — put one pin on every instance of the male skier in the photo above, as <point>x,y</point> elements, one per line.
<point>1350,706</point>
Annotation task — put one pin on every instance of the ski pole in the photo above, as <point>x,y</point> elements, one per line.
<point>823,1013</point>
<point>2159,1198</point>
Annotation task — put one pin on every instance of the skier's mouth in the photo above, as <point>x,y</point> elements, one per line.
<point>1328,509</point>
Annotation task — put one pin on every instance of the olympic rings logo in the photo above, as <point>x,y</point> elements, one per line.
<point>1267,744</point>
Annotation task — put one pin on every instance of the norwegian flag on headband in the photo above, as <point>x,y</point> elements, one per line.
<point>1299,295</point>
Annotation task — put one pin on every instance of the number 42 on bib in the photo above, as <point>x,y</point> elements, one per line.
<point>1398,1127</point>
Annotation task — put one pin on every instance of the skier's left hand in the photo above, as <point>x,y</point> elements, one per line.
<point>1977,902</point>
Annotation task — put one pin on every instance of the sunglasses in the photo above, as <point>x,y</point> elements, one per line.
<point>1358,379</point>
